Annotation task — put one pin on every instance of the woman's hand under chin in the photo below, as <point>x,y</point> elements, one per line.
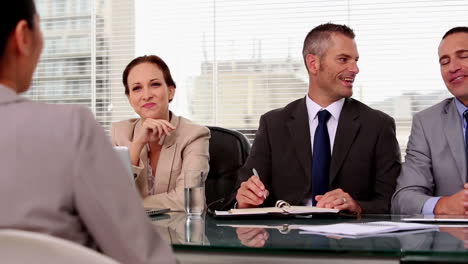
<point>153,130</point>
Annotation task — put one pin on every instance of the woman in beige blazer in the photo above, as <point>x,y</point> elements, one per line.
<point>162,145</point>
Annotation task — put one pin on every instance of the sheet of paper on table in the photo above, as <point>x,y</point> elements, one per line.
<point>365,229</point>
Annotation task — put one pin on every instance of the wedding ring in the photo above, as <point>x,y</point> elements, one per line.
<point>344,200</point>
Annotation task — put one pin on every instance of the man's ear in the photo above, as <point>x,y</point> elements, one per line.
<point>22,36</point>
<point>313,63</point>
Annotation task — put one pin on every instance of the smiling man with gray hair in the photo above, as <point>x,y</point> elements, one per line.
<point>325,149</point>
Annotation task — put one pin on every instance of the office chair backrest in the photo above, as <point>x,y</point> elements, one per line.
<point>228,152</point>
<point>17,246</point>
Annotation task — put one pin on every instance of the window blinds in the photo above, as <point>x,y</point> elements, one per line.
<point>234,60</point>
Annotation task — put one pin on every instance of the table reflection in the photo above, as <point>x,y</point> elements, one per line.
<point>446,239</point>
<point>271,235</point>
<point>458,232</point>
<point>179,228</point>
<point>252,237</point>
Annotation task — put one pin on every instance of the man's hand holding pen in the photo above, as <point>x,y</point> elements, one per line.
<point>252,192</point>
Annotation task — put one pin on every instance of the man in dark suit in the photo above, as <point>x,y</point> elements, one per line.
<point>325,149</point>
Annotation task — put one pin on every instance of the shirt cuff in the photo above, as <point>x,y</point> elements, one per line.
<point>429,205</point>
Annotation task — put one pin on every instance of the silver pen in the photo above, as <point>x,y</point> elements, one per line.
<point>256,174</point>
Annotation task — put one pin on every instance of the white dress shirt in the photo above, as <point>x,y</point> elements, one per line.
<point>335,110</point>
<point>312,109</point>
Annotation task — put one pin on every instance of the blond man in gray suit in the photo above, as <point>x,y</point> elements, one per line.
<point>59,173</point>
<point>434,175</point>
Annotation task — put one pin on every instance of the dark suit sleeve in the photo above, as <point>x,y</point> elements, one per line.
<point>387,162</point>
<point>259,158</point>
<point>260,155</point>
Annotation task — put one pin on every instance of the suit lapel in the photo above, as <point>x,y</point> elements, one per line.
<point>142,182</point>
<point>166,159</point>
<point>298,127</point>
<point>452,127</point>
<point>163,172</point>
<point>346,132</point>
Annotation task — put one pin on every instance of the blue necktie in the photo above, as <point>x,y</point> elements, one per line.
<point>321,156</point>
<point>465,115</point>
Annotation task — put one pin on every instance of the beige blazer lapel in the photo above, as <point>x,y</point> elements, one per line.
<point>142,182</point>
<point>166,160</point>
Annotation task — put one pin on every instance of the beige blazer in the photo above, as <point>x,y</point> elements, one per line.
<point>60,176</point>
<point>185,149</point>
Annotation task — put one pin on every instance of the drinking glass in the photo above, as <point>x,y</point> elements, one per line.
<point>194,183</point>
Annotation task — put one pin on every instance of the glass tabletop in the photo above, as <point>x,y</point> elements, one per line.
<point>283,235</point>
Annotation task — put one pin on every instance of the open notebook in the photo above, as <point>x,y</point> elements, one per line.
<point>281,208</point>
<point>124,156</point>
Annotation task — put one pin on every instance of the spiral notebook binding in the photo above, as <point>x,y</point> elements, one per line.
<point>282,204</point>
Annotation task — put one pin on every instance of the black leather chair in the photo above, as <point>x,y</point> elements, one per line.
<point>228,152</point>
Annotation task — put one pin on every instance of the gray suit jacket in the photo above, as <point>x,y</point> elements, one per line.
<point>435,162</point>
<point>60,176</point>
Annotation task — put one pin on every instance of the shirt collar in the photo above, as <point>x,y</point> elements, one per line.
<point>8,95</point>
<point>461,108</point>
<point>334,108</point>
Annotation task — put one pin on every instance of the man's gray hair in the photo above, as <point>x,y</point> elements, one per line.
<point>317,40</point>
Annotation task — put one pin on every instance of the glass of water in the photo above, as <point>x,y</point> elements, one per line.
<point>194,183</point>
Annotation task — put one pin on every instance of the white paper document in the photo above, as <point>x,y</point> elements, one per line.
<point>364,229</point>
